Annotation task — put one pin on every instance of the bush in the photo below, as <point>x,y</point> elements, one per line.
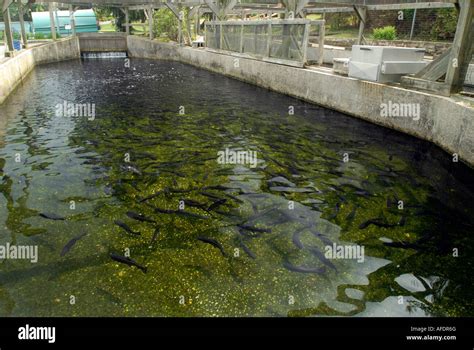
<point>50,36</point>
<point>444,27</point>
<point>165,24</point>
<point>385,33</point>
<point>39,36</point>
<point>338,21</point>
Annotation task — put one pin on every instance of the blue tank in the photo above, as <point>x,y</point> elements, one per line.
<point>85,20</point>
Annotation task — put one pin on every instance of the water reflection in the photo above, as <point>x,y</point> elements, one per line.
<point>152,150</point>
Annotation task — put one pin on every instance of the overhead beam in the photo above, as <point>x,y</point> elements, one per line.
<point>220,9</point>
<point>6,4</point>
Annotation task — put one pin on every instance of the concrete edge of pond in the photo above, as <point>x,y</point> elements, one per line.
<point>445,121</point>
<point>15,69</point>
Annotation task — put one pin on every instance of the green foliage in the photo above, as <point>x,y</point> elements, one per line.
<point>165,24</point>
<point>337,21</point>
<point>444,27</point>
<point>50,36</point>
<point>385,33</point>
<point>107,12</point>
<point>103,13</point>
<point>40,36</point>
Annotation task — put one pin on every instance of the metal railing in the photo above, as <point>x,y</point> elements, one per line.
<point>280,41</point>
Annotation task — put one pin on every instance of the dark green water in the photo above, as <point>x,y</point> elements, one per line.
<point>300,185</point>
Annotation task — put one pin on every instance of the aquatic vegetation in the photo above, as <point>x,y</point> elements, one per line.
<point>133,214</point>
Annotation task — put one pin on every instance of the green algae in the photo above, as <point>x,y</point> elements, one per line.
<point>79,160</point>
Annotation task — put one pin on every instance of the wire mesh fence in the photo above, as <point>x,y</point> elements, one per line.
<point>435,24</point>
<point>282,40</point>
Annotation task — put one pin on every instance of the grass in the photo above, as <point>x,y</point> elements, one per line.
<point>346,33</point>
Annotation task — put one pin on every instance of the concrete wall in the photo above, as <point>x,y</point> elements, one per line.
<point>448,122</point>
<point>14,70</point>
<point>102,42</point>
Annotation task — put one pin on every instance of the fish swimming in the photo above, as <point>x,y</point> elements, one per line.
<point>126,228</point>
<point>127,261</point>
<point>377,222</point>
<point>130,168</point>
<point>255,229</point>
<point>296,238</point>
<point>213,242</point>
<point>180,212</point>
<point>155,236</point>
<point>304,269</point>
<point>247,250</point>
<point>139,217</point>
<point>322,258</point>
<point>404,245</point>
<point>323,238</point>
<point>51,216</point>
<point>334,214</point>
<point>216,204</point>
<point>195,204</point>
<point>156,194</point>
<point>210,195</point>
<point>351,215</point>
<point>70,244</point>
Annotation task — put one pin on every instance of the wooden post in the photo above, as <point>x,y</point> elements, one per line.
<point>188,28</point>
<point>221,37</point>
<point>322,33</point>
<point>412,30</point>
<point>72,21</point>
<point>22,24</point>
<point>269,38</point>
<point>150,21</point>
<point>8,29</point>
<point>180,27</point>
<point>361,12</point>
<point>304,52</point>
<point>127,21</point>
<point>462,49</point>
<point>52,21</point>
<point>197,24</point>
<point>241,38</point>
